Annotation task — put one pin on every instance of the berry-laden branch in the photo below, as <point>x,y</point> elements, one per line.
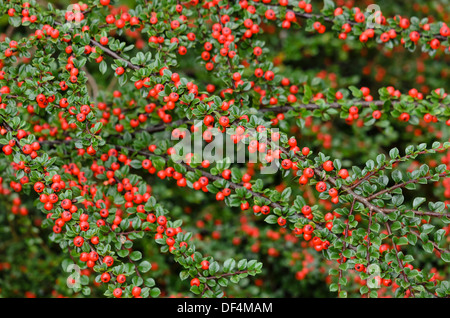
<point>371,22</point>
<point>333,181</point>
<point>95,99</point>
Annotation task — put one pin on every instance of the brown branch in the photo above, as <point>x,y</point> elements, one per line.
<point>328,19</point>
<point>436,247</point>
<point>420,213</point>
<point>400,264</point>
<point>390,163</point>
<point>114,55</point>
<point>335,105</point>
<point>404,184</point>
<point>227,274</point>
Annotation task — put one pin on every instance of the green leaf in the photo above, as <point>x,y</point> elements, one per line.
<point>356,92</point>
<point>271,219</point>
<point>158,163</point>
<point>307,94</point>
<point>123,79</point>
<point>396,226</point>
<point>184,274</point>
<point>402,241</point>
<point>223,282</point>
<point>86,291</point>
<point>328,5</point>
<point>394,153</point>
<point>397,176</point>
<point>103,67</point>
<point>418,201</point>
<point>428,247</point>
<point>155,292</point>
<point>229,265</point>
<point>364,290</point>
<point>15,21</point>
<point>136,164</point>
<point>445,257</point>
<point>286,194</point>
<point>123,253</point>
<point>213,267</point>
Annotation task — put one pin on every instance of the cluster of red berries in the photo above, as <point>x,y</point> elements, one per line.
<point>17,207</point>
<point>25,13</point>
<point>307,231</point>
<point>223,34</point>
<point>170,172</point>
<point>163,230</point>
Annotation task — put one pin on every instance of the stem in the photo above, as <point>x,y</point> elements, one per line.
<point>115,55</point>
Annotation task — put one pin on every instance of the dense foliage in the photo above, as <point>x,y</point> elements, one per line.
<point>336,113</point>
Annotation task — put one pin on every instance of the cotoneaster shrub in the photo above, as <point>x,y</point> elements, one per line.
<point>344,101</point>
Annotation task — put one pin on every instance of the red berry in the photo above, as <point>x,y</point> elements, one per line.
<point>120,70</point>
<point>343,173</point>
<point>204,264</point>
<point>105,277</point>
<point>78,241</point>
<point>321,186</point>
<point>195,282</point>
<point>328,165</point>
<point>117,292</point>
